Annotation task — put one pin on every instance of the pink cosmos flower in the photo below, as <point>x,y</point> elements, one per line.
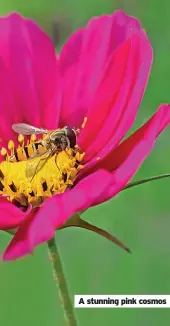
<point>101,73</point>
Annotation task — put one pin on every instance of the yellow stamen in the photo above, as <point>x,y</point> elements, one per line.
<point>84,122</point>
<point>3,151</point>
<point>33,138</point>
<point>21,140</point>
<point>54,177</point>
<point>11,147</point>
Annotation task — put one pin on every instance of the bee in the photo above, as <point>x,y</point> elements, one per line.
<point>52,143</point>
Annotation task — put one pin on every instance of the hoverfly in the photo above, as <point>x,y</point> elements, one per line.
<point>53,142</point>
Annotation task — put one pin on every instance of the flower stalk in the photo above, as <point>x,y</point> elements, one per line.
<point>61,283</point>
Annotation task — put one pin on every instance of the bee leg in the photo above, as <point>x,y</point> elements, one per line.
<point>75,150</point>
<point>56,162</point>
<point>77,131</point>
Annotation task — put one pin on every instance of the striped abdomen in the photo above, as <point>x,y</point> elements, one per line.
<point>27,152</point>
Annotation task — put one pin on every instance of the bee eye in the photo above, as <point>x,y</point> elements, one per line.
<point>71,136</point>
<point>56,140</point>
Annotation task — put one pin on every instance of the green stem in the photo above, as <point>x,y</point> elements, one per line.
<point>54,256</point>
<point>139,182</point>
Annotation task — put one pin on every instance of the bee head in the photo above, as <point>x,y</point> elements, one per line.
<point>71,134</point>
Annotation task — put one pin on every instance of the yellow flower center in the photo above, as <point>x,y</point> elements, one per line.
<point>32,181</point>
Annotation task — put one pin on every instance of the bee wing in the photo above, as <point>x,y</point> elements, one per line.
<point>34,165</point>
<point>25,129</point>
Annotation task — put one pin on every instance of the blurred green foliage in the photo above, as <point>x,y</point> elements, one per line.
<point>140,217</point>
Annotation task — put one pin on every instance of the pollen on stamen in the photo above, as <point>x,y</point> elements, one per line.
<point>4,153</point>
<point>33,138</point>
<point>21,140</point>
<point>11,147</point>
<point>8,155</point>
<point>56,176</point>
<point>84,122</point>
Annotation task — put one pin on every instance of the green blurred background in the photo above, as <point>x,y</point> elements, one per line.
<point>140,217</point>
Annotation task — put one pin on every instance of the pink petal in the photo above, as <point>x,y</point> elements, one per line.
<point>117,99</point>
<point>54,213</point>
<point>125,160</point>
<point>19,245</point>
<point>28,75</point>
<point>83,59</point>
<point>10,216</point>
<point>47,77</point>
